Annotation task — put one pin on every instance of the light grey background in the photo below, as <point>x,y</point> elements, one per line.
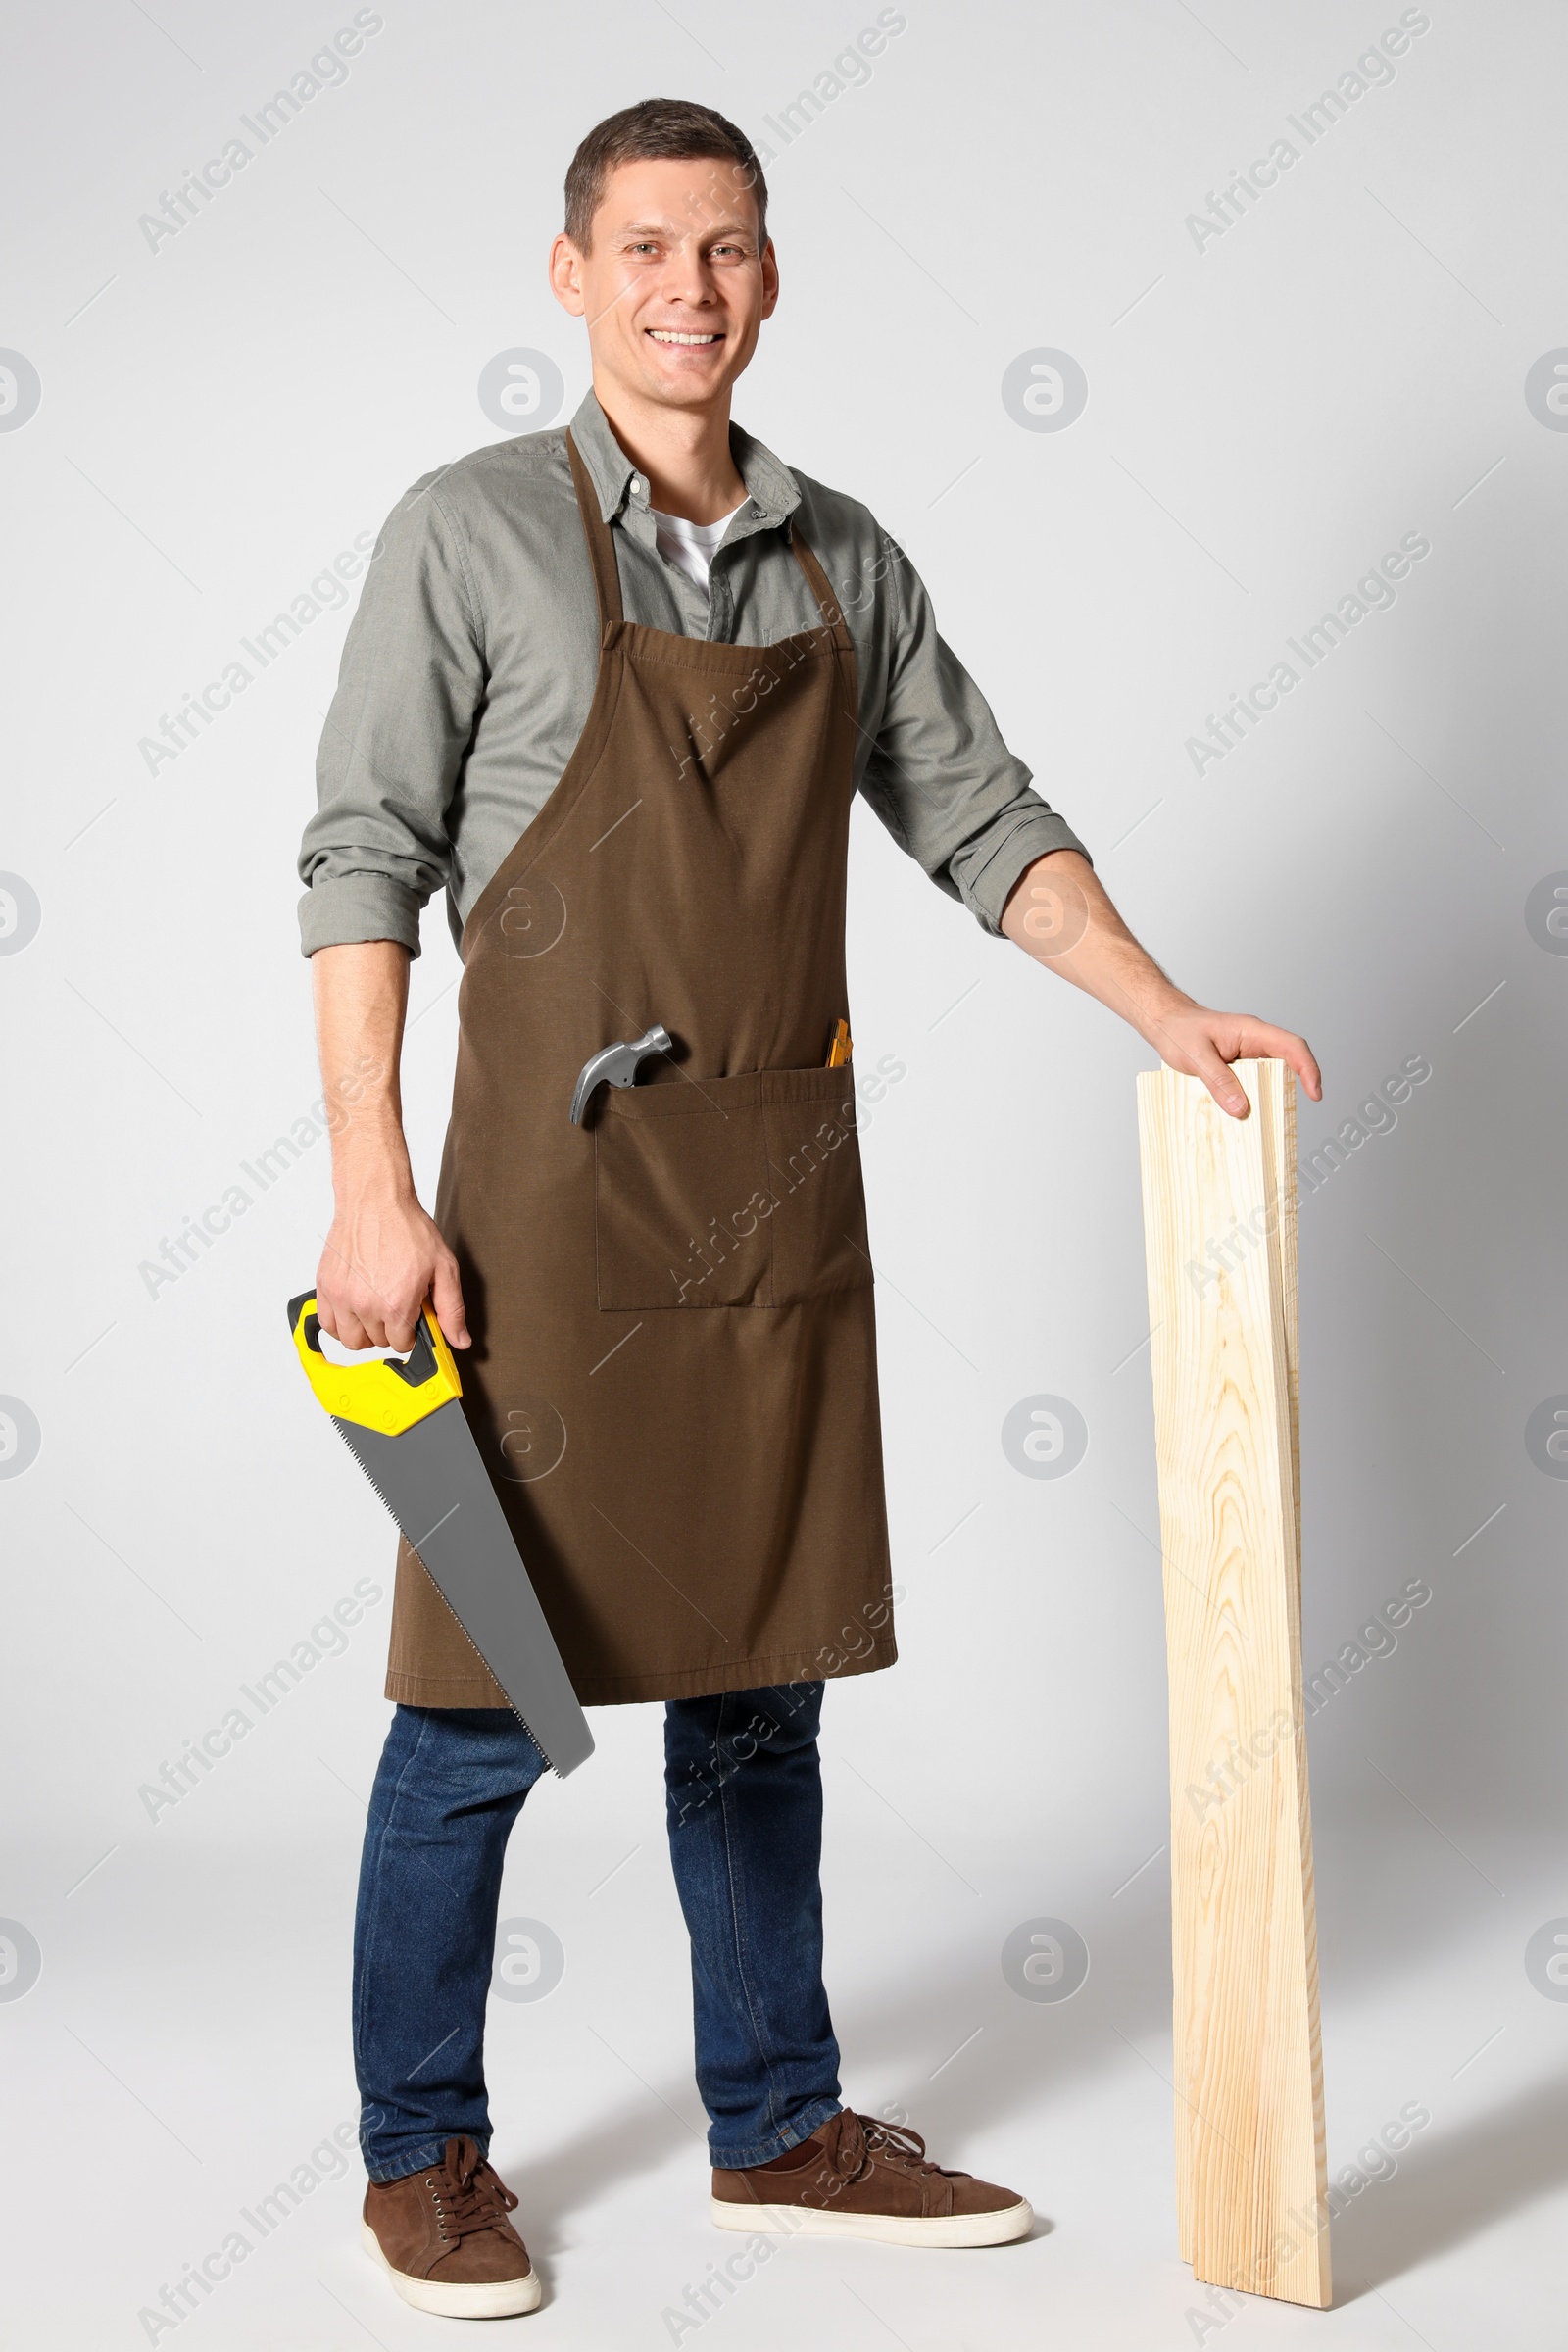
<point>1268,413</point>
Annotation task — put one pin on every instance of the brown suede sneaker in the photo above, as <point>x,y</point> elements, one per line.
<point>444,2241</point>
<point>859,2178</point>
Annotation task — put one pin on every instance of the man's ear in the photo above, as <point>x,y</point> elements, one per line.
<point>565,276</point>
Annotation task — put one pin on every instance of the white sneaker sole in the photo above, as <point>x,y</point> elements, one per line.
<point>489,2299</point>
<point>996,2229</point>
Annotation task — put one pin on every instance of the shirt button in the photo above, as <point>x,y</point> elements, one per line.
<point>638,485</point>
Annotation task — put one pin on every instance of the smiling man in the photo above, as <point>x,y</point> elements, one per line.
<point>615,688</point>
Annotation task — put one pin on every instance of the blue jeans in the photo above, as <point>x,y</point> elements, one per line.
<point>744,1809</point>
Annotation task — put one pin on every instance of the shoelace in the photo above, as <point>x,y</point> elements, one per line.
<point>865,2136</point>
<point>469,2195</point>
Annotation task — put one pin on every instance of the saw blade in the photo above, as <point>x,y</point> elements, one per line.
<point>434,1482</point>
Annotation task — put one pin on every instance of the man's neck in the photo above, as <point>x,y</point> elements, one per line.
<point>685,452</point>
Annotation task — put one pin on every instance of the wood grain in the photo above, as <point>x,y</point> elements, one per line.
<point>1219,1219</point>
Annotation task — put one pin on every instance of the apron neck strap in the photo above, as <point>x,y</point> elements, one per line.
<point>601,547</point>
<point>607,572</point>
<point>817,580</point>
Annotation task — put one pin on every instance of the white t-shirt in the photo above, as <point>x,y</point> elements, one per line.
<point>689,546</point>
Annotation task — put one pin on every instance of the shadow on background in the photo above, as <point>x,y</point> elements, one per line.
<point>1452,2188</point>
<point>1025,2052</point>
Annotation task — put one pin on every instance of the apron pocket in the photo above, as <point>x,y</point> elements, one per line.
<point>813,1159</point>
<point>729,1191</point>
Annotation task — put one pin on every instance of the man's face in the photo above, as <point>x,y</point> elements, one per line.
<point>673,285</point>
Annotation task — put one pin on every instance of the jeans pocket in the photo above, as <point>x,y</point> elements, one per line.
<point>729,1191</point>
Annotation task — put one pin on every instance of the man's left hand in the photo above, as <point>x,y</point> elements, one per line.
<point>1058,913</point>
<point>1201,1044</point>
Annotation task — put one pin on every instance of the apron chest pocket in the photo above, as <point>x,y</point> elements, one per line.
<point>729,1191</point>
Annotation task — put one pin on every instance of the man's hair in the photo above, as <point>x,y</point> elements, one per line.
<point>656,127</point>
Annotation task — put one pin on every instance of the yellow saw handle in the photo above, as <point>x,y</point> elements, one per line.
<point>389,1394</point>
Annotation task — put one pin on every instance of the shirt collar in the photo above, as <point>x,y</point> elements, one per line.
<point>770,488</point>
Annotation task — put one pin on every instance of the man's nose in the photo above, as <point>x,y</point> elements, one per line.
<point>687,278</point>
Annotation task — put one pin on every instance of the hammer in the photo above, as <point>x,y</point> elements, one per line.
<point>617,1065</point>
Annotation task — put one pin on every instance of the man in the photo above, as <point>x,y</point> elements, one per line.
<point>615,689</point>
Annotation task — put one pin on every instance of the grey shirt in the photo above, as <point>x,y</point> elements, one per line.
<point>470,667</point>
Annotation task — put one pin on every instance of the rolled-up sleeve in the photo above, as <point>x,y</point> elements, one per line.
<point>939,775</point>
<point>411,683</point>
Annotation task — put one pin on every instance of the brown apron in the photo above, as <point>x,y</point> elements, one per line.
<point>674,1376</point>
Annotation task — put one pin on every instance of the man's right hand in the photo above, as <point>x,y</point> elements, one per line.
<point>383,1258</point>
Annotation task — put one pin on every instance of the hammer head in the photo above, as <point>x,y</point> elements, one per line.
<point>617,1065</point>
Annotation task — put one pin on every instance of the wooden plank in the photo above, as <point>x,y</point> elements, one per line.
<point>1219,1217</point>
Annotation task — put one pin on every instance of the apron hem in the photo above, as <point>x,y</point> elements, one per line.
<point>627,1690</point>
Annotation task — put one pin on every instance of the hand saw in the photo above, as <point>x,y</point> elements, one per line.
<point>401,1419</point>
